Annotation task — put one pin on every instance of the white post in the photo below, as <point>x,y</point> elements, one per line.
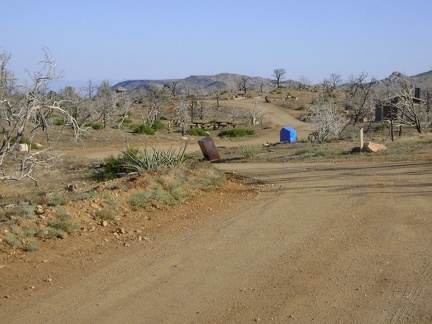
<point>361,138</point>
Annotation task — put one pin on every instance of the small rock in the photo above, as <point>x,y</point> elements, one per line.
<point>72,187</point>
<point>104,223</point>
<point>373,147</point>
<point>48,280</point>
<point>22,148</point>
<point>121,230</point>
<point>39,210</point>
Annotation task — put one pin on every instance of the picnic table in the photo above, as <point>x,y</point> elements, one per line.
<point>214,125</point>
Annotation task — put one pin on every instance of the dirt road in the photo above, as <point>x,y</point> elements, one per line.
<point>319,243</point>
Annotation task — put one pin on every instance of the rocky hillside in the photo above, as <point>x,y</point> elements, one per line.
<point>230,82</point>
<point>422,80</point>
<point>204,83</point>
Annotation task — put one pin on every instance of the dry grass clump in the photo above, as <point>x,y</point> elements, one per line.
<point>59,214</point>
<point>22,227</point>
<point>175,186</point>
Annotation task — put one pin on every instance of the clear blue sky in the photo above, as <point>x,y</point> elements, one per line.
<point>149,39</point>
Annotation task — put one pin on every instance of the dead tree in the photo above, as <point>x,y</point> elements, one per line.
<point>256,113</point>
<point>360,97</point>
<point>243,84</point>
<point>181,115</point>
<point>278,74</point>
<point>172,86</point>
<point>332,82</point>
<point>304,82</point>
<point>152,99</point>
<point>23,115</point>
<point>328,121</point>
<point>106,103</point>
<point>203,107</point>
<point>218,94</point>
<point>402,108</point>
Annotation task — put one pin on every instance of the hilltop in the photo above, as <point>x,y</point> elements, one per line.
<point>224,82</point>
<point>230,81</point>
<point>205,83</point>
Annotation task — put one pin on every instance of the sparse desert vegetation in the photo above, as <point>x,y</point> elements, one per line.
<point>328,117</point>
<point>116,169</point>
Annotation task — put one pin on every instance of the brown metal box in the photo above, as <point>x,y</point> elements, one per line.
<point>208,148</point>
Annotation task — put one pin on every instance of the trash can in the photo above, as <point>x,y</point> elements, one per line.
<point>208,149</point>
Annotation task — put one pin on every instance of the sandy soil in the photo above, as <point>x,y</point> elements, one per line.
<point>317,243</point>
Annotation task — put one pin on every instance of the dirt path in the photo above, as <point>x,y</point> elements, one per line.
<point>320,243</point>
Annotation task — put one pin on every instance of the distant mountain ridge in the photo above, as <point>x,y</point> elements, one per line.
<point>422,80</point>
<point>230,81</point>
<point>204,83</point>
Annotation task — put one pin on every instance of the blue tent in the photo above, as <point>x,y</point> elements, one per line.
<point>288,134</point>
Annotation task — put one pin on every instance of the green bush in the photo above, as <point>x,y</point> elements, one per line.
<point>95,125</point>
<point>302,107</point>
<point>197,132</point>
<point>125,121</point>
<point>236,132</point>
<point>24,140</point>
<point>143,129</point>
<point>134,160</point>
<point>158,124</point>
<point>59,121</point>
<point>382,126</point>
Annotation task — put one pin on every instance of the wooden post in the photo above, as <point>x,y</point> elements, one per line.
<point>361,138</point>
